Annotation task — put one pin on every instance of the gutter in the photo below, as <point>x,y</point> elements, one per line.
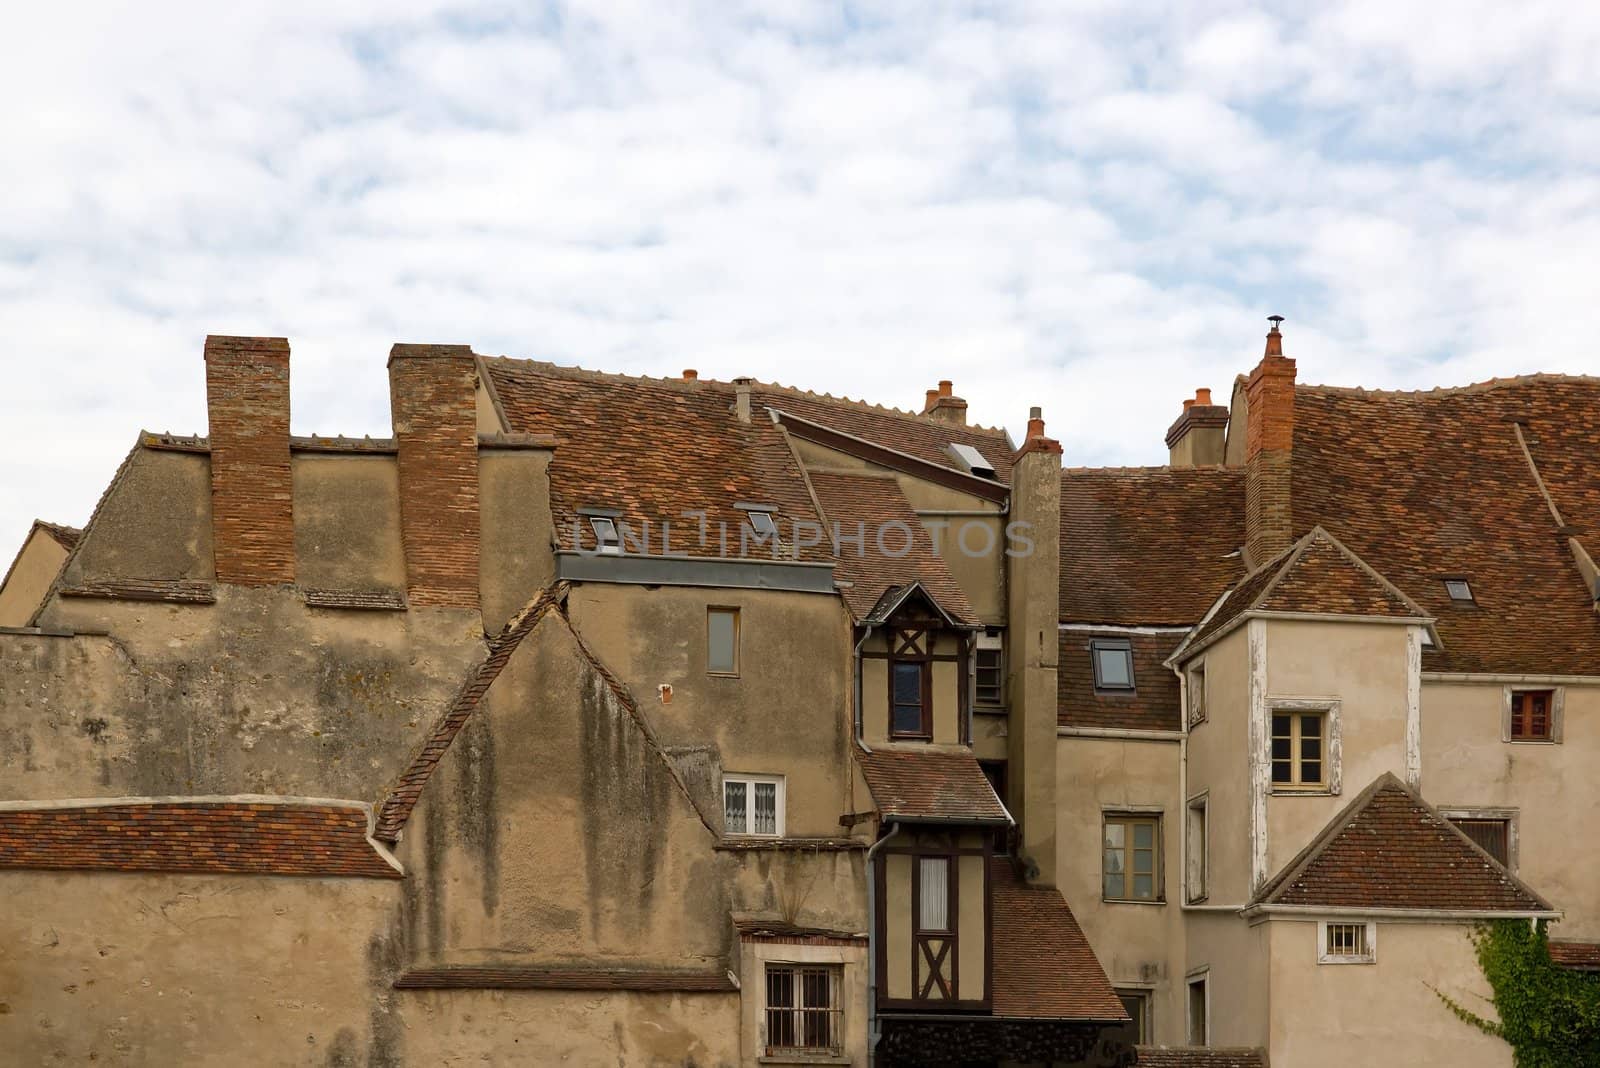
<point>873,1034</point>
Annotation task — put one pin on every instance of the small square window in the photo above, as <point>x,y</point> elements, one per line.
<point>722,641</point>
<point>1532,716</point>
<point>1459,589</point>
<point>1113,664</point>
<point>1298,757</point>
<point>763,524</point>
<point>1347,943</point>
<point>1492,834</point>
<point>605,534</point>
<point>804,1009</point>
<point>752,805</point>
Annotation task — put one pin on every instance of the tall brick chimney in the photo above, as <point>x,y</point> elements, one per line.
<point>1269,453</point>
<point>433,402</point>
<point>944,405</point>
<point>1033,585</point>
<point>1200,433</point>
<point>252,489</point>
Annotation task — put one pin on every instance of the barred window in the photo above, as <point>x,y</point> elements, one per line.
<point>1347,943</point>
<point>803,1009</point>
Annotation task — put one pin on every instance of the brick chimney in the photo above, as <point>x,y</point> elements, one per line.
<point>252,489</point>
<point>1033,589</point>
<point>1200,433</point>
<point>944,406</point>
<point>433,402</point>
<point>1269,453</point>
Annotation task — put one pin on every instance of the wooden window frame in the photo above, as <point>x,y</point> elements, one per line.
<point>1128,818</point>
<point>834,1011</point>
<point>932,949</point>
<point>1554,713</point>
<point>912,646</point>
<point>1096,645</point>
<point>738,625</point>
<point>987,643</point>
<point>1369,938</point>
<point>780,801</point>
<point>1297,783</point>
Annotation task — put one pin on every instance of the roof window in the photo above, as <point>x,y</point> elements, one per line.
<point>763,524</point>
<point>1459,589</point>
<point>971,459</point>
<point>605,534</point>
<point>1113,663</point>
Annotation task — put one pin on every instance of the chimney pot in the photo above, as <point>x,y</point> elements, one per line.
<point>741,399</point>
<point>946,387</point>
<point>1202,396</point>
<point>932,399</point>
<point>1190,403</point>
<point>690,374</point>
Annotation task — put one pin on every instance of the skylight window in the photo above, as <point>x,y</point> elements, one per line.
<point>972,459</point>
<point>605,534</point>
<point>1113,664</point>
<point>764,524</point>
<point>1459,589</point>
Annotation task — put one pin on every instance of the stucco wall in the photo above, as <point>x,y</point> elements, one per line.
<point>1238,957</point>
<point>786,713</point>
<point>1219,762</point>
<point>34,568</point>
<point>154,524</point>
<point>1333,1016</point>
<point>347,522</point>
<point>1553,787</point>
<point>1139,945</point>
<point>516,556</point>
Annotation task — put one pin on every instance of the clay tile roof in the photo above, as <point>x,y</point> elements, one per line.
<point>239,837</point>
<point>928,784</point>
<point>1579,956</point>
<point>1199,1057</point>
<point>1390,850</point>
<point>1424,485</point>
<point>1043,966</point>
<point>653,449</point>
<point>874,503</point>
<point>1154,704</point>
<point>916,435</point>
<point>1148,545</point>
<point>1317,575</point>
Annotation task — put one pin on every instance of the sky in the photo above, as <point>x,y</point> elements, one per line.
<point>1089,206</point>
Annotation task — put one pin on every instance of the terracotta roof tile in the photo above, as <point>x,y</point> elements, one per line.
<point>1424,485</point>
<point>248,837</point>
<point>1154,704</point>
<point>1390,850</point>
<point>924,783</point>
<point>364,600</point>
<point>871,502</point>
<point>653,449</point>
<point>1579,956</point>
<point>1317,575</point>
<point>1199,1057</point>
<point>1043,966</point>
<point>1148,545</point>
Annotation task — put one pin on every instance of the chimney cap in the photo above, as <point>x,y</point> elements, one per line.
<point>1035,412</point>
<point>1202,396</point>
<point>1275,320</point>
<point>690,374</point>
<point>946,387</point>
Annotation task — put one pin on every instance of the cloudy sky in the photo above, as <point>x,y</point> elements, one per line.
<point>1064,204</point>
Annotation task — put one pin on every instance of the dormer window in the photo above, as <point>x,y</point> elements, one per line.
<point>1113,664</point>
<point>1459,589</point>
<point>605,534</point>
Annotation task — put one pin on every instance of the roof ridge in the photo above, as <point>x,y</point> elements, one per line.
<point>1483,386</point>
<point>1371,572</point>
<point>1154,469</point>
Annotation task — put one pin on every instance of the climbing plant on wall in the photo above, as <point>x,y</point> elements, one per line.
<point>1550,1016</point>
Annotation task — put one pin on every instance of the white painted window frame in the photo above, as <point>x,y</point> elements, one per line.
<point>1197,859</point>
<point>1558,718</point>
<point>1203,977</point>
<point>1369,957</point>
<point>750,780</point>
<point>1333,744</point>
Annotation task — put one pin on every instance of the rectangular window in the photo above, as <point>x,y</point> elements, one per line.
<point>1492,835</point>
<point>1532,715</point>
<point>990,670</point>
<point>1113,663</point>
<point>752,805</point>
<point>908,694</point>
<point>1197,849</point>
<point>1197,694</point>
<point>1137,1031</point>
<point>1131,869</point>
<point>1297,750</point>
<point>803,1009</point>
<point>1200,1011</point>
<point>1346,943</point>
<point>605,534</point>
<point>933,894</point>
<point>722,641</point>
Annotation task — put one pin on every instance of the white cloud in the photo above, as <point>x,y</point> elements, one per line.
<point>1089,206</point>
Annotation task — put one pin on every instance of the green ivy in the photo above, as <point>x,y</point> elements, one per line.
<point>1549,1015</point>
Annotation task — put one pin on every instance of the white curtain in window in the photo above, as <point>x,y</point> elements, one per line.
<point>935,889</point>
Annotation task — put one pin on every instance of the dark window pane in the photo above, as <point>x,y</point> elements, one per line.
<point>1114,668</point>
<point>908,684</point>
<point>1311,748</point>
<point>1311,726</point>
<point>1282,748</point>
<point>1280,726</point>
<point>1311,771</point>
<point>1281,771</point>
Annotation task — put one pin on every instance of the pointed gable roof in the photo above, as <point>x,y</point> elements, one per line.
<point>1317,575</point>
<point>1389,849</point>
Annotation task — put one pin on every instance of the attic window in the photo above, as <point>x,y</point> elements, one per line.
<point>972,460</point>
<point>1459,589</point>
<point>605,534</point>
<point>764,524</point>
<point>1113,664</point>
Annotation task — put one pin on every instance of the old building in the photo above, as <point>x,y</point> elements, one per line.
<point>604,720</point>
